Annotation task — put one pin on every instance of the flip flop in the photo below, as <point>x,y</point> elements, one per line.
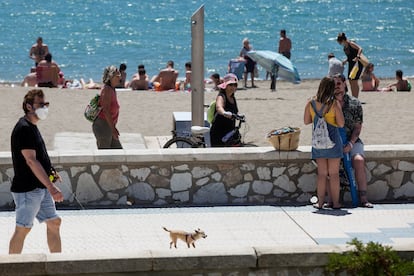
<point>328,205</point>
<point>367,205</point>
<point>316,206</point>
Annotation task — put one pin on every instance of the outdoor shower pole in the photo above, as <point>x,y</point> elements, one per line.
<point>197,67</point>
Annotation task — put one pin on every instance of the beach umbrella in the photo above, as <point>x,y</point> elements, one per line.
<point>279,65</point>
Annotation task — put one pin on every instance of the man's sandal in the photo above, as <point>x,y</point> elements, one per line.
<point>367,205</point>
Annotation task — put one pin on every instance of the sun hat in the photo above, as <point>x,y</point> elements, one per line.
<point>228,79</point>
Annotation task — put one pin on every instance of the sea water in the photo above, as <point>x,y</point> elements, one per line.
<point>84,36</point>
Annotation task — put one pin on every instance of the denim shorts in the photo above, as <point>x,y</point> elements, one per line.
<point>357,149</point>
<point>37,203</point>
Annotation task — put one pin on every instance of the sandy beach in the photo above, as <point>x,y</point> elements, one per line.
<point>387,115</point>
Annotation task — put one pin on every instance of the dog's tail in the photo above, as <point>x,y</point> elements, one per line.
<point>166,229</point>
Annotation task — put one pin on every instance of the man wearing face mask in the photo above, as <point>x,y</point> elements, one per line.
<point>33,188</point>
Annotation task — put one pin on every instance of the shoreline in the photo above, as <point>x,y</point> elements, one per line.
<point>387,115</point>
<point>15,84</point>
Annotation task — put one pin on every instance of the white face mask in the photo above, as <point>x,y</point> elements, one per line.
<point>41,113</point>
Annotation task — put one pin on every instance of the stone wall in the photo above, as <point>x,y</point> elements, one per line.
<point>203,177</point>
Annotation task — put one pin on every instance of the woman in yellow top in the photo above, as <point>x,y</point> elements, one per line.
<point>328,160</point>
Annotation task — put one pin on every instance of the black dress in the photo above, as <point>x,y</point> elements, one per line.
<point>222,125</point>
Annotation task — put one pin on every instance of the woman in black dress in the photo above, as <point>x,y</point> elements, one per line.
<point>226,105</point>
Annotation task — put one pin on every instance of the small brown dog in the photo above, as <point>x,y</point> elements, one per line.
<point>186,237</point>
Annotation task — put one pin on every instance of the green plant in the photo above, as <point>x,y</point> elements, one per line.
<point>371,259</point>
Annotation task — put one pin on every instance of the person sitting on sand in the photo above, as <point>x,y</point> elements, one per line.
<point>136,75</point>
<point>47,72</point>
<point>122,70</point>
<point>166,78</point>
<point>401,84</point>
<point>369,81</point>
<point>187,81</point>
<point>216,80</point>
<point>140,82</point>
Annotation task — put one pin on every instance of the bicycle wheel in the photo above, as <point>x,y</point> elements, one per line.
<point>180,142</point>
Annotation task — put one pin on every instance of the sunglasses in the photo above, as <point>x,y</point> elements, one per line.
<point>43,104</point>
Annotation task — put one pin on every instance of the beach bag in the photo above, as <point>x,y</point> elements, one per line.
<point>93,109</point>
<point>320,133</point>
<point>354,71</point>
<point>211,112</point>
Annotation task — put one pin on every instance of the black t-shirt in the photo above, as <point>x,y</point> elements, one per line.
<point>26,135</point>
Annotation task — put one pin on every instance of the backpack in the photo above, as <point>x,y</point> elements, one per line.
<point>211,111</point>
<point>93,109</point>
<point>320,133</point>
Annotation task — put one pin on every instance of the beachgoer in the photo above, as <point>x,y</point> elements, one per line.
<point>353,115</point>
<point>47,72</point>
<point>81,84</point>
<point>38,51</point>
<point>353,52</point>
<point>328,160</point>
<point>226,105</point>
<point>30,80</point>
<point>187,81</point>
<point>137,76</point>
<point>34,193</point>
<point>335,65</point>
<point>401,84</point>
<point>122,70</point>
<point>140,82</point>
<point>166,78</point>
<point>104,127</point>
<point>216,80</point>
<point>285,44</point>
<point>249,63</point>
<point>369,81</point>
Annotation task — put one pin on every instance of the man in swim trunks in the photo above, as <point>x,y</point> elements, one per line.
<point>166,78</point>
<point>285,44</point>
<point>401,84</point>
<point>38,51</point>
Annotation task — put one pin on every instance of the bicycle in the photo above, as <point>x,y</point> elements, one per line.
<point>195,139</point>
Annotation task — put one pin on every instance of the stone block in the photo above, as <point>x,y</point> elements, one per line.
<point>211,193</point>
<point>199,172</point>
<point>140,261</point>
<point>112,179</point>
<point>86,189</point>
<point>406,166</point>
<point>240,190</point>
<point>141,174</point>
<point>304,256</point>
<point>283,182</point>
<point>181,182</point>
<point>141,191</point>
<point>378,190</point>
<point>262,187</point>
<point>17,265</point>
<point>405,191</point>
<point>200,260</point>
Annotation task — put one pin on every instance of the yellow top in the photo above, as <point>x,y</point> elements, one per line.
<point>329,116</point>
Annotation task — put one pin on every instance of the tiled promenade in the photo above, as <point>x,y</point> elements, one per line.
<point>117,231</point>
